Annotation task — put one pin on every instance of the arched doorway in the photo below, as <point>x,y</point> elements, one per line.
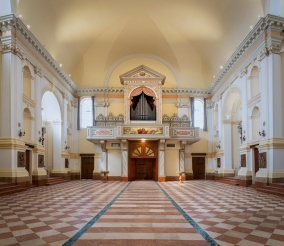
<point>143,160</point>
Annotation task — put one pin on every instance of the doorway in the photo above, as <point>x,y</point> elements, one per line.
<point>28,163</point>
<point>143,169</point>
<point>87,167</point>
<point>255,161</point>
<point>198,167</point>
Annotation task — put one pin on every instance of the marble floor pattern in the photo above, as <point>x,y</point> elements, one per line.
<point>141,215</point>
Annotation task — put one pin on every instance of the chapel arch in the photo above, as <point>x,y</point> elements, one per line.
<point>28,121</point>
<point>255,123</point>
<point>28,82</point>
<point>254,82</point>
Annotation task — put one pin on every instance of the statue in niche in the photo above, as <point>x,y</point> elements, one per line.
<point>142,107</point>
<point>262,160</point>
<point>243,160</point>
<point>218,162</point>
<point>21,159</point>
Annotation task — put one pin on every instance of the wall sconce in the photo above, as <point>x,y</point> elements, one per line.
<point>41,140</point>
<point>262,133</point>
<point>244,138</point>
<point>218,146</point>
<point>21,134</point>
<point>66,147</point>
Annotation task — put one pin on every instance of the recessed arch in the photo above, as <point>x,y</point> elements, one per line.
<point>125,58</point>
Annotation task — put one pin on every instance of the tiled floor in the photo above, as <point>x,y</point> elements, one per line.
<point>141,215</point>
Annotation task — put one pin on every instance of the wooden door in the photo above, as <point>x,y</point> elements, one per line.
<point>198,167</point>
<point>256,160</point>
<point>140,169</point>
<point>27,153</point>
<point>149,168</point>
<point>87,167</point>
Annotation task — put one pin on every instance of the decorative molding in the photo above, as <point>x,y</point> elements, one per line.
<point>40,161</point>
<point>28,101</point>
<point>210,104</point>
<point>262,160</point>
<point>10,22</point>
<point>89,91</point>
<point>21,159</point>
<point>38,71</point>
<point>252,102</point>
<point>272,44</point>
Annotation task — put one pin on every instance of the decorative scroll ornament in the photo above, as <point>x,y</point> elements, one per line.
<point>38,71</point>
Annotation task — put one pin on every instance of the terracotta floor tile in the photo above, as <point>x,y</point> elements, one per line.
<point>256,239</point>
<point>27,237</point>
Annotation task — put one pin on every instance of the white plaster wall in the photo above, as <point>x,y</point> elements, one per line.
<point>114,162</point>
<point>171,162</point>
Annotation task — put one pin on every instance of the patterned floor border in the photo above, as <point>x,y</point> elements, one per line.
<point>73,239</point>
<point>208,239</point>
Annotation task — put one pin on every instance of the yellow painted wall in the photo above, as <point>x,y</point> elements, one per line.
<point>169,109</point>
<point>85,146</point>
<point>171,162</point>
<point>0,92</point>
<point>202,145</point>
<point>116,108</point>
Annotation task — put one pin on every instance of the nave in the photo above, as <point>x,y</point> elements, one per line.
<point>89,212</point>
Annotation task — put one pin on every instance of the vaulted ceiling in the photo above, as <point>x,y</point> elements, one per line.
<point>194,37</point>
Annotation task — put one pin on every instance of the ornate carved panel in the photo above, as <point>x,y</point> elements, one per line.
<point>143,149</point>
<point>40,161</point>
<point>66,163</point>
<point>262,160</point>
<point>218,162</point>
<point>21,159</point>
<point>243,160</point>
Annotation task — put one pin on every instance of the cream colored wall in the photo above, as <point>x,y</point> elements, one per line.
<point>282,64</point>
<point>0,93</point>
<point>114,162</point>
<point>202,145</point>
<point>116,108</point>
<point>171,162</point>
<point>85,146</point>
<point>169,109</point>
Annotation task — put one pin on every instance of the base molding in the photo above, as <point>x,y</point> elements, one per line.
<point>39,180</point>
<point>75,176</point>
<point>124,179</point>
<point>189,176</point>
<point>65,175</point>
<point>96,176</point>
<point>113,178</point>
<point>162,179</point>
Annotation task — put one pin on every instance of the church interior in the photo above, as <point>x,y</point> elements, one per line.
<point>128,122</point>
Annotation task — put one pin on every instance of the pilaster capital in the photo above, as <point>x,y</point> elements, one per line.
<point>65,96</point>
<point>38,71</point>
<point>124,144</point>
<point>12,48</point>
<point>210,104</point>
<point>243,72</point>
<point>74,104</point>
<point>162,144</point>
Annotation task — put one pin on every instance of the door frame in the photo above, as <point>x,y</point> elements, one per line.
<point>86,155</point>
<point>253,147</point>
<point>155,168</point>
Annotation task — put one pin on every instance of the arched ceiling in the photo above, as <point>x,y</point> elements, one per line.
<point>195,36</point>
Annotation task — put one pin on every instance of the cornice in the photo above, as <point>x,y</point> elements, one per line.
<point>272,44</point>
<point>10,22</point>
<point>120,90</point>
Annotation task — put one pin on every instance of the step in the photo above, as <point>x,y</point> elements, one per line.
<point>272,192</point>
<point>279,185</point>
<point>11,189</point>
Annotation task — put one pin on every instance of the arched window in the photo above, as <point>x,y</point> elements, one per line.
<point>198,113</point>
<point>86,112</point>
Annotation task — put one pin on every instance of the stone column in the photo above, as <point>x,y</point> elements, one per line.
<point>11,118</point>
<point>124,154</point>
<point>104,156</point>
<point>39,175</point>
<point>162,176</point>
<point>74,155</point>
<point>182,159</point>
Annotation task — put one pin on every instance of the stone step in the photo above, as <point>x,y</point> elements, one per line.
<point>271,191</point>
<point>55,180</point>
<point>8,189</point>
